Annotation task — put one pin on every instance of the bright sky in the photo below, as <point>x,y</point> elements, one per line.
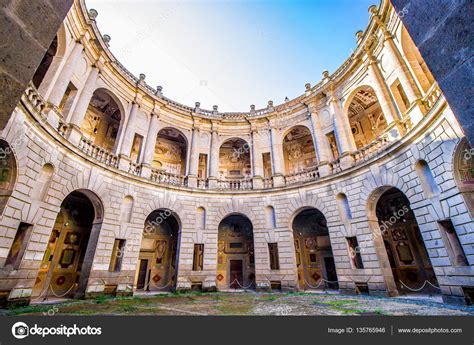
<point>231,53</point>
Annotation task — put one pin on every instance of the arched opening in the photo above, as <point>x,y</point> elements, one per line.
<point>170,151</point>
<point>366,118</point>
<point>270,217</point>
<point>67,260</point>
<point>158,258</point>
<point>344,207</point>
<point>416,62</point>
<point>234,160</point>
<point>407,255</point>
<point>127,209</point>
<point>44,180</point>
<point>8,172</point>
<point>45,63</point>
<point>463,166</point>
<point>235,253</point>
<point>102,120</point>
<point>314,258</point>
<point>298,149</point>
<point>428,183</point>
<point>201,218</point>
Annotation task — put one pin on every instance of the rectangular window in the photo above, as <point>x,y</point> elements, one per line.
<point>354,252</point>
<point>235,245</point>
<point>117,256</point>
<point>400,96</point>
<point>136,149</point>
<point>68,99</point>
<point>198,263</point>
<point>19,244</point>
<point>331,137</point>
<point>267,165</point>
<point>274,260</point>
<point>202,169</point>
<point>453,245</point>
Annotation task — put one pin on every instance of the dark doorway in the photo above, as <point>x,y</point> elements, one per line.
<point>331,273</point>
<point>142,274</point>
<point>236,274</point>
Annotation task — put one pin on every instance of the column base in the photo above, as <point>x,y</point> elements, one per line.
<point>324,169</point>
<point>74,134</point>
<point>212,181</point>
<point>145,170</point>
<point>346,160</point>
<point>278,180</point>
<point>192,181</point>
<point>257,182</point>
<point>124,162</point>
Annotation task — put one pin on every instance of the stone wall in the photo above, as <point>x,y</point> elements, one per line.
<point>31,26</point>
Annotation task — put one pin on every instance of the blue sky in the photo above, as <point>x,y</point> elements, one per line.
<point>231,53</point>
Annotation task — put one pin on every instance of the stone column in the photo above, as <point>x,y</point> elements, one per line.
<point>65,76</point>
<point>193,160</point>
<point>343,132</point>
<point>124,159</point>
<point>277,159</point>
<point>321,143</point>
<point>214,161</point>
<point>78,113</point>
<point>150,142</point>
<point>383,95</point>
<point>257,168</point>
<point>406,80</point>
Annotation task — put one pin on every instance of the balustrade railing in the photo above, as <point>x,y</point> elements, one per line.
<point>311,174</point>
<point>202,183</point>
<point>98,153</point>
<point>432,96</point>
<point>162,176</point>
<point>268,182</point>
<point>371,150</point>
<point>134,169</point>
<point>235,184</point>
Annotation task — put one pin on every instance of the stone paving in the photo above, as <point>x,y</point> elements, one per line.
<point>244,303</point>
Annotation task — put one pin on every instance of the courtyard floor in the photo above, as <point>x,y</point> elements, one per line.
<point>244,303</point>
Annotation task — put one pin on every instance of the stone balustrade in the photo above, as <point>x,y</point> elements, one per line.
<point>164,177</point>
<point>235,184</point>
<point>98,153</point>
<point>311,174</point>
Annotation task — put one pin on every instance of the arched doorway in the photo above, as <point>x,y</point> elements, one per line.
<point>102,120</point>
<point>235,253</point>
<point>158,259</point>
<point>67,260</point>
<point>314,258</point>
<point>407,255</point>
<point>170,151</point>
<point>234,160</point>
<point>366,118</point>
<point>8,173</point>
<point>45,63</point>
<point>298,150</point>
<point>463,168</point>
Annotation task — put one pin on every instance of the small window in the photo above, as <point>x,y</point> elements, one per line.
<point>136,150</point>
<point>453,245</point>
<point>270,215</point>
<point>201,218</point>
<point>354,252</point>
<point>274,260</point>
<point>198,263</point>
<point>400,96</point>
<point>19,244</point>
<point>428,183</point>
<point>235,245</point>
<point>344,208</point>
<point>127,209</point>
<point>117,256</point>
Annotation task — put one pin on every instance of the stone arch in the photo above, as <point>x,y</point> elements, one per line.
<point>381,231</point>
<point>298,149</point>
<point>463,163</point>
<point>165,201</point>
<point>236,208</point>
<point>171,151</point>
<point>235,159</point>
<point>8,173</point>
<point>364,112</point>
<point>104,119</point>
<point>73,241</point>
<point>302,202</point>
